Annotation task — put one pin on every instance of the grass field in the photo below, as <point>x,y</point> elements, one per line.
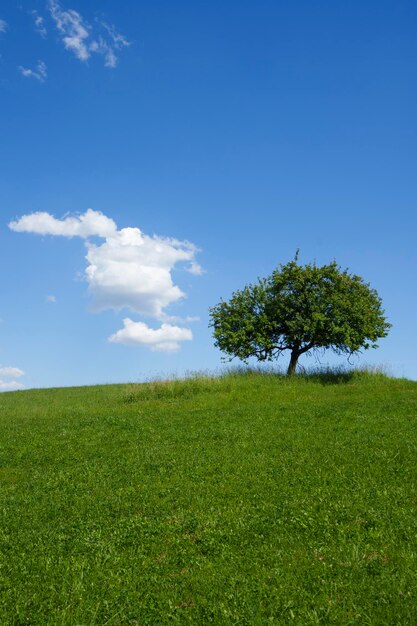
<point>245,499</point>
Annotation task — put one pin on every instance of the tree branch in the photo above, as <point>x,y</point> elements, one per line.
<point>307,347</point>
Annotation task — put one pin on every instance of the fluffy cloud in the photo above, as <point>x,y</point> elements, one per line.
<point>10,373</point>
<point>79,38</point>
<point>167,338</point>
<point>129,270</point>
<point>87,225</point>
<point>132,270</point>
<point>40,71</point>
<point>3,26</point>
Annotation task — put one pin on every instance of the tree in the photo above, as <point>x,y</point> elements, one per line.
<point>299,308</point>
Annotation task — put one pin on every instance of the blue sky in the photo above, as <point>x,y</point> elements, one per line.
<point>156,156</point>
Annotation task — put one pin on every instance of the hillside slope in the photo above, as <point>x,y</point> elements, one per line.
<point>247,499</point>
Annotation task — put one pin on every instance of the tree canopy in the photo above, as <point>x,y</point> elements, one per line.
<point>299,308</point>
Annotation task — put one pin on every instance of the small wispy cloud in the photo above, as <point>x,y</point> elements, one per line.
<point>80,38</point>
<point>51,298</point>
<point>117,42</point>
<point>10,374</point>
<point>39,22</point>
<point>10,385</point>
<point>73,29</point>
<point>3,26</point>
<point>40,72</point>
<point>100,46</point>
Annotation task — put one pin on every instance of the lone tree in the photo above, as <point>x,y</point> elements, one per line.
<point>299,308</point>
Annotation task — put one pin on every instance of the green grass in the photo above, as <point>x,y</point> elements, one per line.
<point>244,499</point>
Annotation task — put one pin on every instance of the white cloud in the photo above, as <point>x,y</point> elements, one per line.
<point>110,59</point>
<point>132,270</point>
<point>39,24</point>
<point>50,298</point>
<point>87,225</point>
<point>73,29</point>
<point>102,47</point>
<point>129,270</point>
<point>81,39</point>
<point>40,72</point>
<point>11,372</point>
<point>195,269</point>
<point>167,338</point>
<point>11,385</point>
<point>107,48</point>
<point>189,319</point>
<point>119,41</point>
<point>3,26</point>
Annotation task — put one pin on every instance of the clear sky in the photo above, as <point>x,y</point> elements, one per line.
<point>157,155</point>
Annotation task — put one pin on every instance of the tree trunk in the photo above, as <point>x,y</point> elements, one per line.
<point>293,362</point>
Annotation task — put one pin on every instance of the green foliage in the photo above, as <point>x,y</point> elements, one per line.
<point>299,308</point>
<point>268,500</point>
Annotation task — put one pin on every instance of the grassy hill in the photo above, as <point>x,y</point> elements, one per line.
<point>246,499</point>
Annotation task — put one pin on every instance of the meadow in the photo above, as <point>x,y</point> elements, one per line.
<point>242,499</point>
